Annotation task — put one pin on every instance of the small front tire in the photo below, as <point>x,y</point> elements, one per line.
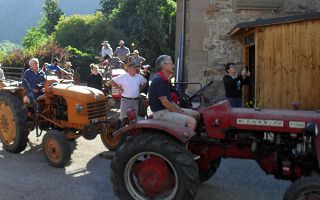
<point>56,149</point>
<point>113,142</point>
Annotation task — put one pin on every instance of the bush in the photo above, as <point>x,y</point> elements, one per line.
<point>20,59</point>
<point>82,61</point>
<point>86,32</point>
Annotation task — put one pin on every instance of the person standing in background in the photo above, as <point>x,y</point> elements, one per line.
<point>106,49</point>
<point>138,60</point>
<point>95,79</point>
<point>68,68</point>
<point>130,85</point>
<point>233,84</point>
<point>122,51</point>
<point>146,74</point>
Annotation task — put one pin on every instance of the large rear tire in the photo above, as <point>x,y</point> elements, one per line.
<point>13,123</point>
<point>56,149</point>
<point>304,189</point>
<point>153,166</point>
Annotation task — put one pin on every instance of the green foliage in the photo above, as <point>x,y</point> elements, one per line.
<point>148,23</point>
<point>35,37</point>
<point>85,32</point>
<point>81,60</point>
<point>19,58</point>
<point>7,46</point>
<point>107,6</point>
<point>52,14</point>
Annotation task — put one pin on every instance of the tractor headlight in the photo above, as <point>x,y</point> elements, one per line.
<point>79,108</point>
<point>312,129</point>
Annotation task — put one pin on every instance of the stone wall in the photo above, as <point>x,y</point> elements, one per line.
<point>207,46</point>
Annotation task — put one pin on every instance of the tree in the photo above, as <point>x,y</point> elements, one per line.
<point>147,23</point>
<point>52,14</point>
<point>86,32</point>
<point>35,37</point>
<point>107,6</point>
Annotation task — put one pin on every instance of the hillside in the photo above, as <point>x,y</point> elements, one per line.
<point>17,16</point>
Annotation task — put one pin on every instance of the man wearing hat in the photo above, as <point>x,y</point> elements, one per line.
<point>122,51</point>
<point>129,84</point>
<point>106,49</point>
<point>138,60</point>
<point>67,68</point>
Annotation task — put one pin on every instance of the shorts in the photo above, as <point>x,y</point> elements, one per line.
<point>128,104</point>
<point>178,118</point>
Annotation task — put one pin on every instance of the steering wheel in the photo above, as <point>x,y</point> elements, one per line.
<point>185,101</point>
<point>204,88</point>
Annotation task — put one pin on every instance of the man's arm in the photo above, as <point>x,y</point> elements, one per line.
<point>65,73</point>
<point>113,83</point>
<point>142,60</point>
<point>172,107</point>
<point>143,82</point>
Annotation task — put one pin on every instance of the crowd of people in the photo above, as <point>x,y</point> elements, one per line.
<point>133,82</point>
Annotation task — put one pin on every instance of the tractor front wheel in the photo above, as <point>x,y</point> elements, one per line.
<point>153,166</point>
<point>56,149</point>
<point>307,188</point>
<point>13,123</point>
<point>113,142</point>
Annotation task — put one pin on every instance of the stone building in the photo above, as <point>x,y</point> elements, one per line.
<point>207,24</point>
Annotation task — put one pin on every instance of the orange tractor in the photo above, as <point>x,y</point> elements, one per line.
<point>67,112</point>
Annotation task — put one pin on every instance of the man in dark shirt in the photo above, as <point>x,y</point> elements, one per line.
<point>146,74</point>
<point>233,84</point>
<point>32,78</point>
<point>161,103</point>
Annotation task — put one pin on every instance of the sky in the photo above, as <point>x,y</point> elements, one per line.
<point>17,16</point>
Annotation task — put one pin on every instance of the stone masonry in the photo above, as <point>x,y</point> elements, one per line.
<point>207,46</point>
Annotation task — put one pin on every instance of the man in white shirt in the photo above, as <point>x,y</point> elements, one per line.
<point>130,85</point>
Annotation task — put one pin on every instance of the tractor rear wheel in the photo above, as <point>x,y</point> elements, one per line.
<point>307,188</point>
<point>13,123</point>
<point>206,175</point>
<point>153,166</point>
<point>56,149</point>
<point>113,142</point>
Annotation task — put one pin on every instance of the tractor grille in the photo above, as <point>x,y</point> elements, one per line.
<point>97,109</point>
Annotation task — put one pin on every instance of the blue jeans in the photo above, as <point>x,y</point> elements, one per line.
<point>235,102</point>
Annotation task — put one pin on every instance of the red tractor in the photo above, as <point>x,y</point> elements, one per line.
<point>161,160</point>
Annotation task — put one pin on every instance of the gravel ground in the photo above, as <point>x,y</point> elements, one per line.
<point>28,176</point>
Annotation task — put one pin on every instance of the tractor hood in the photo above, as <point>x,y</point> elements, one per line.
<point>221,117</point>
<point>88,94</point>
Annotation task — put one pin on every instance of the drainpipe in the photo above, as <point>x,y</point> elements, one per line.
<point>180,70</point>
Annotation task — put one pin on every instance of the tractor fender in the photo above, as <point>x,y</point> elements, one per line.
<point>183,134</point>
<point>13,89</point>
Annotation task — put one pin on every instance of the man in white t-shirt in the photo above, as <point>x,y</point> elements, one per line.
<point>130,85</point>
